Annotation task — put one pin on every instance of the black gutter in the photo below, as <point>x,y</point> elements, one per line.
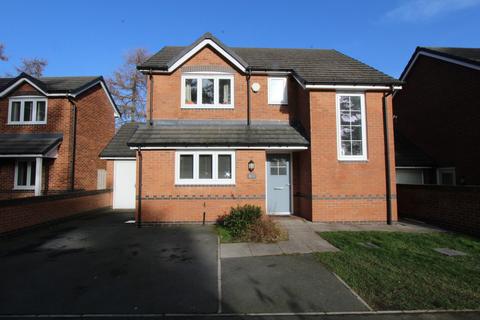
<point>388,178</point>
<point>151,98</point>
<point>74,143</point>
<point>249,74</point>
<point>139,196</point>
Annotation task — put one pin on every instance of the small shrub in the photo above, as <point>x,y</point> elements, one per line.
<point>240,219</point>
<point>266,230</point>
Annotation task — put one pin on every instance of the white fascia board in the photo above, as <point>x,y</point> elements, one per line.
<point>350,87</point>
<point>21,155</point>
<point>199,47</point>
<point>221,148</point>
<point>118,158</point>
<point>19,81</point>
<point>439,57</point>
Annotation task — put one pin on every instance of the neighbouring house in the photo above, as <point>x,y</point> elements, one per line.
<point>438,110</point>
<point>51,132</point>
<point>295,131</point>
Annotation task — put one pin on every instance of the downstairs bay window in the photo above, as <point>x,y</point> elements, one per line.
<point>207,91</point>
<point>351,127</point>
<point>205,167</point>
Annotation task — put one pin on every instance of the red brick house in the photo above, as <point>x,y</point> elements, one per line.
<point>295,131</point>
<point>51,132</point>
<point>438,110</point>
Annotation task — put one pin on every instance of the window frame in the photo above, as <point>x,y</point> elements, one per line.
<point>196,180</point>
<point>446,170</point>
<point>364,156</point>
<point>31,163</point>
<point>216,76</point>
<point>22,100</point>
<point>279,102</point>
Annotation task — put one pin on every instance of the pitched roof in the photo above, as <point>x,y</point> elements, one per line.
<point>117,147</point>
<point>28,143</point>
<point>464,56</point>
<point>407,154</point>
<point>314,66</point>
<point>210,133</point>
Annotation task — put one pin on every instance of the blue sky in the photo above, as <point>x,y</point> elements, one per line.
<point>91,37</point>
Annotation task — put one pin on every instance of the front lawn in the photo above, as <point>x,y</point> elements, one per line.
<point>404,273</point>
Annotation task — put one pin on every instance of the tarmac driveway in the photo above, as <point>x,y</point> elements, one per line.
<point>99,264</point>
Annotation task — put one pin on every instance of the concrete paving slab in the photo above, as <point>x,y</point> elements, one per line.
<point>265,249</point>
<point>293,283</point>
<point>235,250</point>
<point>293,246</point>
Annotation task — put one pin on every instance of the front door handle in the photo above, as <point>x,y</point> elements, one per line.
<point>277,188</point>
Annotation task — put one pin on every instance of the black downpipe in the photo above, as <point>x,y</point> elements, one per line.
<point>388,178</point>
<point>151,99</point>
<point>139,196</point>
<point>74,144</point>
<point>248,95</point>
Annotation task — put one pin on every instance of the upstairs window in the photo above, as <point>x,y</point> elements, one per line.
<point>205,167</point>
<point>207,91</point>
<point>351,127</point>
<point>27,110</point>
<point>277,90</point>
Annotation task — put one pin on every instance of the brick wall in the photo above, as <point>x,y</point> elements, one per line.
<point>167,95</point>
<point>348,190</point>
<point>438,109</point>
<point>452,207</point>
<point>95,127</point>
<point>162,200</point>
<point>22,213</point>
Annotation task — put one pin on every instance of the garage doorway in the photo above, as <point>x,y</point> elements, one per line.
<point>124,180</point>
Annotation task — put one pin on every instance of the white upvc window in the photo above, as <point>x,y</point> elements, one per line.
<point>24,175</point>
<point>27,110</point>
<point>446,176</point>
<point>207,90</point>
<point>205,167</point>
<point>351,127</point>
<point>277,90</point>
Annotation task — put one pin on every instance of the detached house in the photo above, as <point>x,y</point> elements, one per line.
<point>295,131</point>
<point>438,110</point>
<point>51,132</point>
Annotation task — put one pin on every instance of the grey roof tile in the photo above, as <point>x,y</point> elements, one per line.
<point>28,143</point>
<point>117,147</point>
<point>211,133</point>
<point>312,65</point>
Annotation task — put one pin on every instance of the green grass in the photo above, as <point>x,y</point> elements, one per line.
<point>405,273</point>
<point>224,234</point>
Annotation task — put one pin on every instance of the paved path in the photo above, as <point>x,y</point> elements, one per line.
<point>302,238</point>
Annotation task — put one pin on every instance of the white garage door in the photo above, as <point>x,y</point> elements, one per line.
<point>124,184</point>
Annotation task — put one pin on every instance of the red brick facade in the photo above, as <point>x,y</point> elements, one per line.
<point>95,127</point>
<point>438,109</point>
<point>324,188</point>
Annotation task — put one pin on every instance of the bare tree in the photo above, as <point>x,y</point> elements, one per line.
<point>33,67</point>
<point>3,57</point>
<point>129,87</point>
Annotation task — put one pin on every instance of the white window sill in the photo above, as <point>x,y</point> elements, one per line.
<point>278,103</point>
<point>24,123</point>
<point>207,107</point>
<point>24,188</point>
<point>353,159</point>
<point>205,184</point>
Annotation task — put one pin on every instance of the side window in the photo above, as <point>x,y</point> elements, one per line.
<point>351,127</point>
<point>277,90</point>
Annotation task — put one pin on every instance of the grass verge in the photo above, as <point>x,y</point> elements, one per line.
<point>405,273</point>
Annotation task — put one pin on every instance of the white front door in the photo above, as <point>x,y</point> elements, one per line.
<point>124,177</point>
